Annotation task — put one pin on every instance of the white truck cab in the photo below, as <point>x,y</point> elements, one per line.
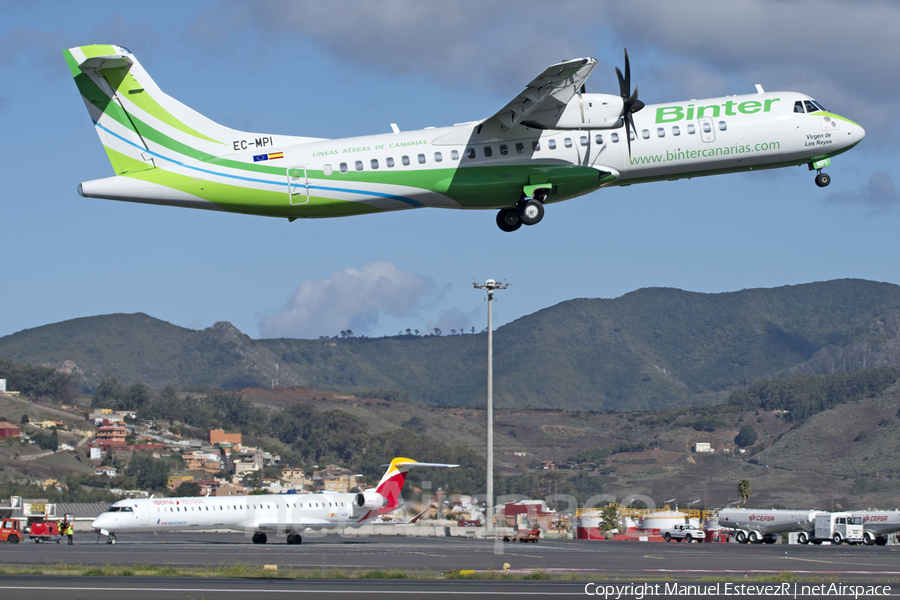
<point>838,528</point>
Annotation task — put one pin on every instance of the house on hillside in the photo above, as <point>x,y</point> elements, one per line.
<point>9,430</point>
<point>110,435</point>
<point>224,440</point>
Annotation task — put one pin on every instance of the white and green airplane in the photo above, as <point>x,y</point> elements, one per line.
<point>552,142</point>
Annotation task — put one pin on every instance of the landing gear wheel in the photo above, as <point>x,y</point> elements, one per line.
<point>823,179</point>
<point>530,212</point>
<point>508,220</point>
<point>294,538</point>
<point>259,538</point>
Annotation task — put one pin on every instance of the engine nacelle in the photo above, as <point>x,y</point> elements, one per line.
<point>584,111</point>
<point>370,500</point>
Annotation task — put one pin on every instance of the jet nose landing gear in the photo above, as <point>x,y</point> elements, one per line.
<point>823,179</point>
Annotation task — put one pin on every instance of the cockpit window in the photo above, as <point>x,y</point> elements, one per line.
<point>810,107</point>
<point>798,106</point>
<point>119,509</point>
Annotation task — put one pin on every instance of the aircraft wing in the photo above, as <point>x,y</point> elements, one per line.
<point>550,91</point>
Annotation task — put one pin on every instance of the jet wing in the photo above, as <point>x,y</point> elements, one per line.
<point>548,93</point>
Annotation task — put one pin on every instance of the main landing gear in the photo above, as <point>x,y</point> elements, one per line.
<point>294,538</point>
<point>529,211</point>
<point>259,538</point>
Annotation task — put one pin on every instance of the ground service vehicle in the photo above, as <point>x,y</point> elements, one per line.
<point>533,535</point>
<point>688,533</point>
<point>838,528</point>
<point>10,532</point>
<point>878,525</point>
<point>44,531</point>
<point>757,526</point>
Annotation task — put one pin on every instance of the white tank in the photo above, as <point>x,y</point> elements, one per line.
<point>767,521</point>
<point>666,519</point>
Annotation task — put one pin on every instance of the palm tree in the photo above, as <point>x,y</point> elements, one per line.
<point>744,489</point>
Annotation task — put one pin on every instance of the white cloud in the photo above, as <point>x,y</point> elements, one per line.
<point>350,299</point>
<point>878,195</point>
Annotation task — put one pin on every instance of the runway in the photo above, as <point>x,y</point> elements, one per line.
<point>339,562</point>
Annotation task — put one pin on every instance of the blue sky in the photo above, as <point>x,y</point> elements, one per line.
<point>345,68</point>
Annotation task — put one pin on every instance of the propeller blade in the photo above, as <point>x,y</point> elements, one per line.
<point>627,73</point>
<point>623,91</point>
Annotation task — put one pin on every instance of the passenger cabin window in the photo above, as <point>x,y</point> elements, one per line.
<point>421,158</point>
<point>568,142</point>
<point>488,151</point>
<point>660,132</point>
<point>645,133</point>
<point>691,129</point>
<point>470,152</point>
<point>614,137</point>
<point>374,163</point>
<point>359,165</point>
<point>404,160</point>
<point>536,146</point>
<point>343,167</point>
<point>798,106</point>
<point>438,157</point>
<point>520,148</point>
<point>551,144</point>
<point>327,170</point>
<point>723,125</point>
<point>676,130</point>
<point>389,161</point>
<point>707,127</point>
<point>598,139</point>
<point>504,149</point>
<point>583,140</point>
<point>454,155</point>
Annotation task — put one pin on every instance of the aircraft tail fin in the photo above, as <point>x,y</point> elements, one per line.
<point>393,479</point>
<point>141,127</point>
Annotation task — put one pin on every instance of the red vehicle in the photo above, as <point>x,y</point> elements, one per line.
<point>9,531</point>
<point>44,531</point>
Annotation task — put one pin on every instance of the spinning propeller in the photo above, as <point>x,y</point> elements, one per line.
<point>630,104</point>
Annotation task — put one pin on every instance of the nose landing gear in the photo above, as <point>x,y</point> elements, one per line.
<point>822,179</point>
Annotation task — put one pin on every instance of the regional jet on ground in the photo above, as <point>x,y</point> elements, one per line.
<point>276,514</point>
<point>552,142</point>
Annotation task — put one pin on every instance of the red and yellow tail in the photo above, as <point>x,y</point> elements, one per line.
<point>393,479</point>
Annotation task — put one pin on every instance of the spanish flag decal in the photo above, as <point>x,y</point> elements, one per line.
<point>270,156</point>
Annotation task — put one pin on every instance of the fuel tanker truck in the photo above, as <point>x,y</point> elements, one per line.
<point>878,525</point>
<point>758,526</point>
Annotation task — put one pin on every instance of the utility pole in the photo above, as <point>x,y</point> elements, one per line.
<point>490,285</point>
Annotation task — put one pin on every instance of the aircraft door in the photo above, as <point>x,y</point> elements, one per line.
<point>707,131</point>
<point>145,512</point>
<point>298,185</point>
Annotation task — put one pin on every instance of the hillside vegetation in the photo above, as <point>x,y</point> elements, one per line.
<point>649,349</point>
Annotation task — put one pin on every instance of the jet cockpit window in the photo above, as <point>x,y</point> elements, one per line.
<point>810,107</point>
<point>819,106</point>
<point>798,107</point>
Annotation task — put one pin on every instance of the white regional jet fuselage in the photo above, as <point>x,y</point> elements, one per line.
<point>260,515</point>
<point>552,142</point>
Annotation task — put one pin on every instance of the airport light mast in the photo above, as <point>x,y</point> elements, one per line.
<point>490,285</point>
